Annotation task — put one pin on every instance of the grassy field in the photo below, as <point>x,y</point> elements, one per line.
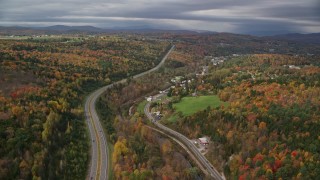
<point>190,105</point>
<point>141,105</point>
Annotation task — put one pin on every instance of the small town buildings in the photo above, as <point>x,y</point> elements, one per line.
<point>218,60</point>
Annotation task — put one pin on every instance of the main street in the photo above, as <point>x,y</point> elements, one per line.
<point>206,166</point>
<point>98,168</point>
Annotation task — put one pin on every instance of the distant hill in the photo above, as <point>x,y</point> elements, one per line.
<point>313,38</point>
<point>58,29</point>
<point>16,30</point>
<point>71,28</point>
<point>61,29</point>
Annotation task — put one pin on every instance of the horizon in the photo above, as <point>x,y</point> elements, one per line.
<point>245,17</point>
<point>142,28</point>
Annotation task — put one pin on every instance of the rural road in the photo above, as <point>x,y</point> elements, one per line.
<point>98,167</point>
<point>206,166</point>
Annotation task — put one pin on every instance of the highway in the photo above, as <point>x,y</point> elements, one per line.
<point>98,167</point>
<point>206,166</point>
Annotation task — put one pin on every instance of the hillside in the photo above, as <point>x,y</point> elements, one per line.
<point>270,128</point>
<point>43,85</point>
<point>61,29</point>
<point>313,38</point>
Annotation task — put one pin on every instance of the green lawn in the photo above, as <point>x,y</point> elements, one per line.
<point>190,105</point>
<point>141,105</point>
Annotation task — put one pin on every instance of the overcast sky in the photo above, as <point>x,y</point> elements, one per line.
<point>238,16</point>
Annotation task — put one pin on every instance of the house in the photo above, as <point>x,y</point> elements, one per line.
<point>294,67</point>
<point>205,70</point>
<point>158,115</point>
<point>204,141</point>
<point>177,79</point>
<point>149,99</point>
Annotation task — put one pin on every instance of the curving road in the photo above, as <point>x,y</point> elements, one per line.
<point>98,168</point>
<point>206,166</point>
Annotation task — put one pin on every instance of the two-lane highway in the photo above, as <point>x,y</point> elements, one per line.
<point>205,164</point>
<point>98,168</point>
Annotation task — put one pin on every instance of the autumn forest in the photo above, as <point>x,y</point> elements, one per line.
<point>266,125</point>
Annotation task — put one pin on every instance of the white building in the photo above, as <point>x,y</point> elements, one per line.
<point>204,141</point>
<point>149,99</point>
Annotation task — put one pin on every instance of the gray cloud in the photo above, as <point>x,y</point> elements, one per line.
<point>239,16</point>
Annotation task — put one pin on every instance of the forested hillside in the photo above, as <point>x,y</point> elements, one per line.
<point>43,85</point>
<point>140,152</point>
<point>270,129</point>
<point>225,44</point>
<point>265,124</point>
